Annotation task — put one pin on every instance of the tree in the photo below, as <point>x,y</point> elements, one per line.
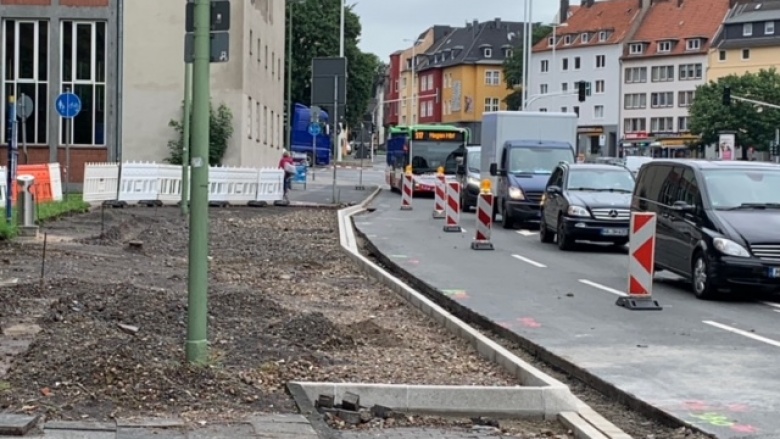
<point>220,132</point>
<point>513,68</point>
<point>755,125</point>
<point>316,34</point>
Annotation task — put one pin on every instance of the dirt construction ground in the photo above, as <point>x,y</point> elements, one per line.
<point>285,304</point>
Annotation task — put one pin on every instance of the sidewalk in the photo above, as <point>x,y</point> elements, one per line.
<point>323,194</point>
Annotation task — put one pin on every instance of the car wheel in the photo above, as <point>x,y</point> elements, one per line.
<point>544,232</point>
<point>564,241</point>
<point>701,280</point>
<point>507,221</point>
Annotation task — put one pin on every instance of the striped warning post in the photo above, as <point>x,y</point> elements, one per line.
<point>641,261</point>
<point>406,192</point>
<point>484,222</point>
<point>440,196</point>
<point>452,210</point>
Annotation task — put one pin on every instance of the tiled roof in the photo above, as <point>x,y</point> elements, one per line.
<point>614,17</point>
<point>666,21</point>
<point>755,10</point>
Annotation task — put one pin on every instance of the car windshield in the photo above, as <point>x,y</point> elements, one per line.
<point>428,156</point>
<point>617,180</point>
<point>473,161</point>
<point>743,188</point>
<point>537,160</point>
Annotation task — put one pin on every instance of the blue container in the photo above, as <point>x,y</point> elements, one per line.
<point>301,174</point>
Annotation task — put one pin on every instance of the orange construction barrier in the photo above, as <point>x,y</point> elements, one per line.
<point>42,186</point>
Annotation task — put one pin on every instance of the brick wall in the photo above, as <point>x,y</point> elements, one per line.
<point>78,156</point>
<point>26,2</point>
<point>77,3</point>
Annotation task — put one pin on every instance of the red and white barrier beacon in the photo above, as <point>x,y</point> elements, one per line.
<point>641,262</point>
<point>484,218</point>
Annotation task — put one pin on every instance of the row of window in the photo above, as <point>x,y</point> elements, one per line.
<point>26,70</point>
<point>598,111</point>
<point>600,87</point>
<point>599,62</point>
<point>272,62</point>
<point>657,124</point>
<point>583,38</point>
<point>263,124</point>
<point>722,55</point>
<point>769,29</point>
<point>692,44</point>
<point>638,101</point>
<point>685,72</point>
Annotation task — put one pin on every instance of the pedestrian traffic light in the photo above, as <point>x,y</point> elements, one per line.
<point>582,90</point>
<point>727,95</point>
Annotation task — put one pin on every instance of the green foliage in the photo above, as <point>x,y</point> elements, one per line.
<point>315,30</point>
<point>755,126</point>
<point>50,211</point>
<point>220,132</point>
<point>513,68</point>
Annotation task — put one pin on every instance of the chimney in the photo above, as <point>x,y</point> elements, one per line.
<point>588,3</point>
<point>563,11</point>
<point>645,4</point>
<point>475,23</point>
<point>498,22</point>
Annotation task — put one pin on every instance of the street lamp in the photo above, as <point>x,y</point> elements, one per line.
<point>290,4</point>
<point>416,42</point>
<point>528,38</point>
<point>555,41</point>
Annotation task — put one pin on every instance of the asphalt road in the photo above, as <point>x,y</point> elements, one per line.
<point>319,185</point>
<point>713,364</point>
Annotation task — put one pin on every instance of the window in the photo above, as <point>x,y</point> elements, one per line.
<point>598,112</point>
<point>430,108</point>
<point>601,61</point>
<point>257,121</point>
<point>634,75</point>
<point>564,110</point>
<point>488,52</point>
<point>274,130</point>
<point>722,55</point>
<point>564,87</point>
<point>665,46</point>
<point>663,73</point>
<point>266,56</point>
<point>492,104</point>
<point>576,110</point>
<point>280,142</point>
<point>567,40</point>
<point>423,110</point>
<point>693,44</point>
<point>26,71</point>
<point>543,110</point>
<point>747,29</point>
<point>279,68</point>
<point>662,100</point>
<point>493,77</point>
<point>551,41</point>
<point>585,38</point>
<point>259,46</point>
<point>265,124</point>
<point>508,53</point>
<point>543,89</point>
<point>635,49</point>
<point>602,36</point>
<point>251,40</point>
<point>683,123</point>
<point>249,118</point>
<point>545,66</point>
<point>691,71</point>
<point>745,54</point>
<point>685,98</point>
<point>83,55</point>
<point>600,86</point>
<point>634,101</point>
<point>577,63</point>
<point>403,83</point>
<point>769,28</point>
<point>565,64</point>
<point>634,125</point>
<point>662,124</point>
<point>273,64</point>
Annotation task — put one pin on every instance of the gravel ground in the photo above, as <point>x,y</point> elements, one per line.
<point>285,304</point>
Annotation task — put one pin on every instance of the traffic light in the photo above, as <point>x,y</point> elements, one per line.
<point>582,90</point>
<point>727,96</point>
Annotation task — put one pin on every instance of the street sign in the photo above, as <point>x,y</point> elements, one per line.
<point>315,129</point>
<point>220,16</point>
<point>24,107</point>
<point>220,47</point>
<point>68,105</point>
<point>325,74</point>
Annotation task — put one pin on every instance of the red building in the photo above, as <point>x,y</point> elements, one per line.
<point>429,82</point>
<point>392,95</point>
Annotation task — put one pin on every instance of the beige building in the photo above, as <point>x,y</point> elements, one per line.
<point>251,84</point>
<point>408,93</point>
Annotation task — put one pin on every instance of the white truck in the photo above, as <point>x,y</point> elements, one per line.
<point>520,149</point>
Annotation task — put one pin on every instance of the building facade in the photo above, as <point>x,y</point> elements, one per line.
<point>131,85</point>
<point>588,46</point>
<point>663,63</point>
<point>430,85</point>
<point>748,41</point>
<point>392,101</point>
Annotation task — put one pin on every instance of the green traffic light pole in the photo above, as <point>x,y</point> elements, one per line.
<point>185,150</point>
<point>289,75</point>
<point>197,309</point>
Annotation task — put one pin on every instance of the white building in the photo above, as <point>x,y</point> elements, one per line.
<point>664,62</point>
<point>587,46</point>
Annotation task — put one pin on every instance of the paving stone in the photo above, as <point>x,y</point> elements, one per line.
<point>286,436</point>
<point>279,417</point>
<point>16,425</point>
<point>150,423</point>
<point>222,431</point>
<point>282,427</point>
<point>78,434</point>
<point>149,433</point>
<point>82,426</point>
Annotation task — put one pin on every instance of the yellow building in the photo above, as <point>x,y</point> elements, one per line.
<point>747,43</point>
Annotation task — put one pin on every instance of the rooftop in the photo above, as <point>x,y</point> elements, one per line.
<point>749,11</point>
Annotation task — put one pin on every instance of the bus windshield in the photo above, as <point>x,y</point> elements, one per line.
<point>537,160</point>
<point>428,156</point>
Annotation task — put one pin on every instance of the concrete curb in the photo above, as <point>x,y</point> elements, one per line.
<point>525,372</point>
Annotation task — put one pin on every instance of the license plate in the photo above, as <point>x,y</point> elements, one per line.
<point>614,232</point>
<point>774,272</point>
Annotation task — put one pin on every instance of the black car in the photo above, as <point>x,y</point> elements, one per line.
<point>587,202</point>
<point>469,178</point>
<point>717,222</point>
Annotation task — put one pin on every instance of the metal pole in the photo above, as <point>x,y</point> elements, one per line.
<point>555,43</point>
<point>24,128</point>
<point>313,156</point>
<point>289,84</point>
<point>335,130</point>
<point>185,150</point>
<point>529,44</point>
<point>197,304</point>
<point>525,36</point>
<point>68,134</point>
<point>341,28</point>
<point>9,207</point>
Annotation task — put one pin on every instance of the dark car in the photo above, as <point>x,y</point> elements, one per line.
<point>469,178</point>
<point>587,202</point>
<point>717,222</point>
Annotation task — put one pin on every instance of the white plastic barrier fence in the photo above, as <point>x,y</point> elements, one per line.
<point>161,182</point>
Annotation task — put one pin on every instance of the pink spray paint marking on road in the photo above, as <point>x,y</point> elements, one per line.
<point>529,322</point>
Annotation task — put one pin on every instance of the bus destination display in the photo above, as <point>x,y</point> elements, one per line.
<point>439,136</point>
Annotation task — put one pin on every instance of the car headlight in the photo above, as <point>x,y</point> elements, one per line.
<point>473,181</point>
<point>730,248</point>
<point>516,193</point>
<point>577,211</point>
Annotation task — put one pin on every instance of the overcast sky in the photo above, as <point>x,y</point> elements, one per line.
<point>386,23</point>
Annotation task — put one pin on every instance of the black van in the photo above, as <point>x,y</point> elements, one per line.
<point>718,222</point>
